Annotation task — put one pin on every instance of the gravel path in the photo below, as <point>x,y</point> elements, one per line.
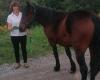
<point>42,69</point>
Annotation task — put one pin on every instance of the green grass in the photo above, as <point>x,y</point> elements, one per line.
<point>38,46</point>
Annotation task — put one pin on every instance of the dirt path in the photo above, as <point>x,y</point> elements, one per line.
<point>42,69</point>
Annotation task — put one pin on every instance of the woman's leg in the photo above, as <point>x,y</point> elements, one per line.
<point>23,41</point>
<point>15,43</point>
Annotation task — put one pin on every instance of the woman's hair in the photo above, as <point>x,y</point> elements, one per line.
<point>14,4</point>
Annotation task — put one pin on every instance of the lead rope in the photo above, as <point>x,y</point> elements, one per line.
<point>30,43</point>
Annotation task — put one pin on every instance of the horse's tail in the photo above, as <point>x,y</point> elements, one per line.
<point>96,35</point>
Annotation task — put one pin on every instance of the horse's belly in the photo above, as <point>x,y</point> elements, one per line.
<point>64,41</point>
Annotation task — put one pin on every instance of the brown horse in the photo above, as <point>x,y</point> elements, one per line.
<point>79,29</point>
<point>52,43</point>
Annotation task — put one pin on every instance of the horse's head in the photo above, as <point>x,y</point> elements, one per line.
<point>28,15</point>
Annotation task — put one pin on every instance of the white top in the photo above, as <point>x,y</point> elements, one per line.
<point>15,21</point>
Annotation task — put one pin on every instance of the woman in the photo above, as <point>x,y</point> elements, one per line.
<point>18,38</point>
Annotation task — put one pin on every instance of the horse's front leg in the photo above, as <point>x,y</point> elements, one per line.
<point>55,52</point>
<point>73,66</point>
<point>82,64</point>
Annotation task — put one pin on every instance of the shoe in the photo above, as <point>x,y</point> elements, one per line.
<point>26,65</point>
<point>17,65</point>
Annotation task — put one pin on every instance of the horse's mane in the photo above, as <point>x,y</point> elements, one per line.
<point>49,9</point>
<point>50,16</point>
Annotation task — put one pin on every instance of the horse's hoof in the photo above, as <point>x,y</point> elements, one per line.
<point>56,69</point>
<point>73,70</point>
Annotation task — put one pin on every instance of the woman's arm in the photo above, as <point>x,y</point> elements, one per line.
<point>9,26</point>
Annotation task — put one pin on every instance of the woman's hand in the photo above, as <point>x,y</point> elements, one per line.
<point>28,32</point>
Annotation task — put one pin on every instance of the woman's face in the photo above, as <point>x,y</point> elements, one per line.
<point>16,9</point>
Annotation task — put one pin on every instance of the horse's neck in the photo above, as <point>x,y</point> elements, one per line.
<point>43,16</point>
<point>46,16</point>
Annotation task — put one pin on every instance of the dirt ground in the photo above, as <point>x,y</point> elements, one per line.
<point>42,69</point>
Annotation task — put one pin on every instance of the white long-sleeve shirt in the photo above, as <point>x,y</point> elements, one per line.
<point>15,21</point>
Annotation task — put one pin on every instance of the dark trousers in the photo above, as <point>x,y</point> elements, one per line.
<point>18,41</point>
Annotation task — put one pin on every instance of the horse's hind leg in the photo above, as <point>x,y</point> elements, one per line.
<point>55,52</point>
<point>94,70</point>
<point>94,62</point>
<point>82,64</point>
<point>73,66</point>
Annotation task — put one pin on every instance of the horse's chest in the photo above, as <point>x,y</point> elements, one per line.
<point>51,35</point>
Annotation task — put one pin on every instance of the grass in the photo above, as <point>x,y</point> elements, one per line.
<point>37,45</point>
